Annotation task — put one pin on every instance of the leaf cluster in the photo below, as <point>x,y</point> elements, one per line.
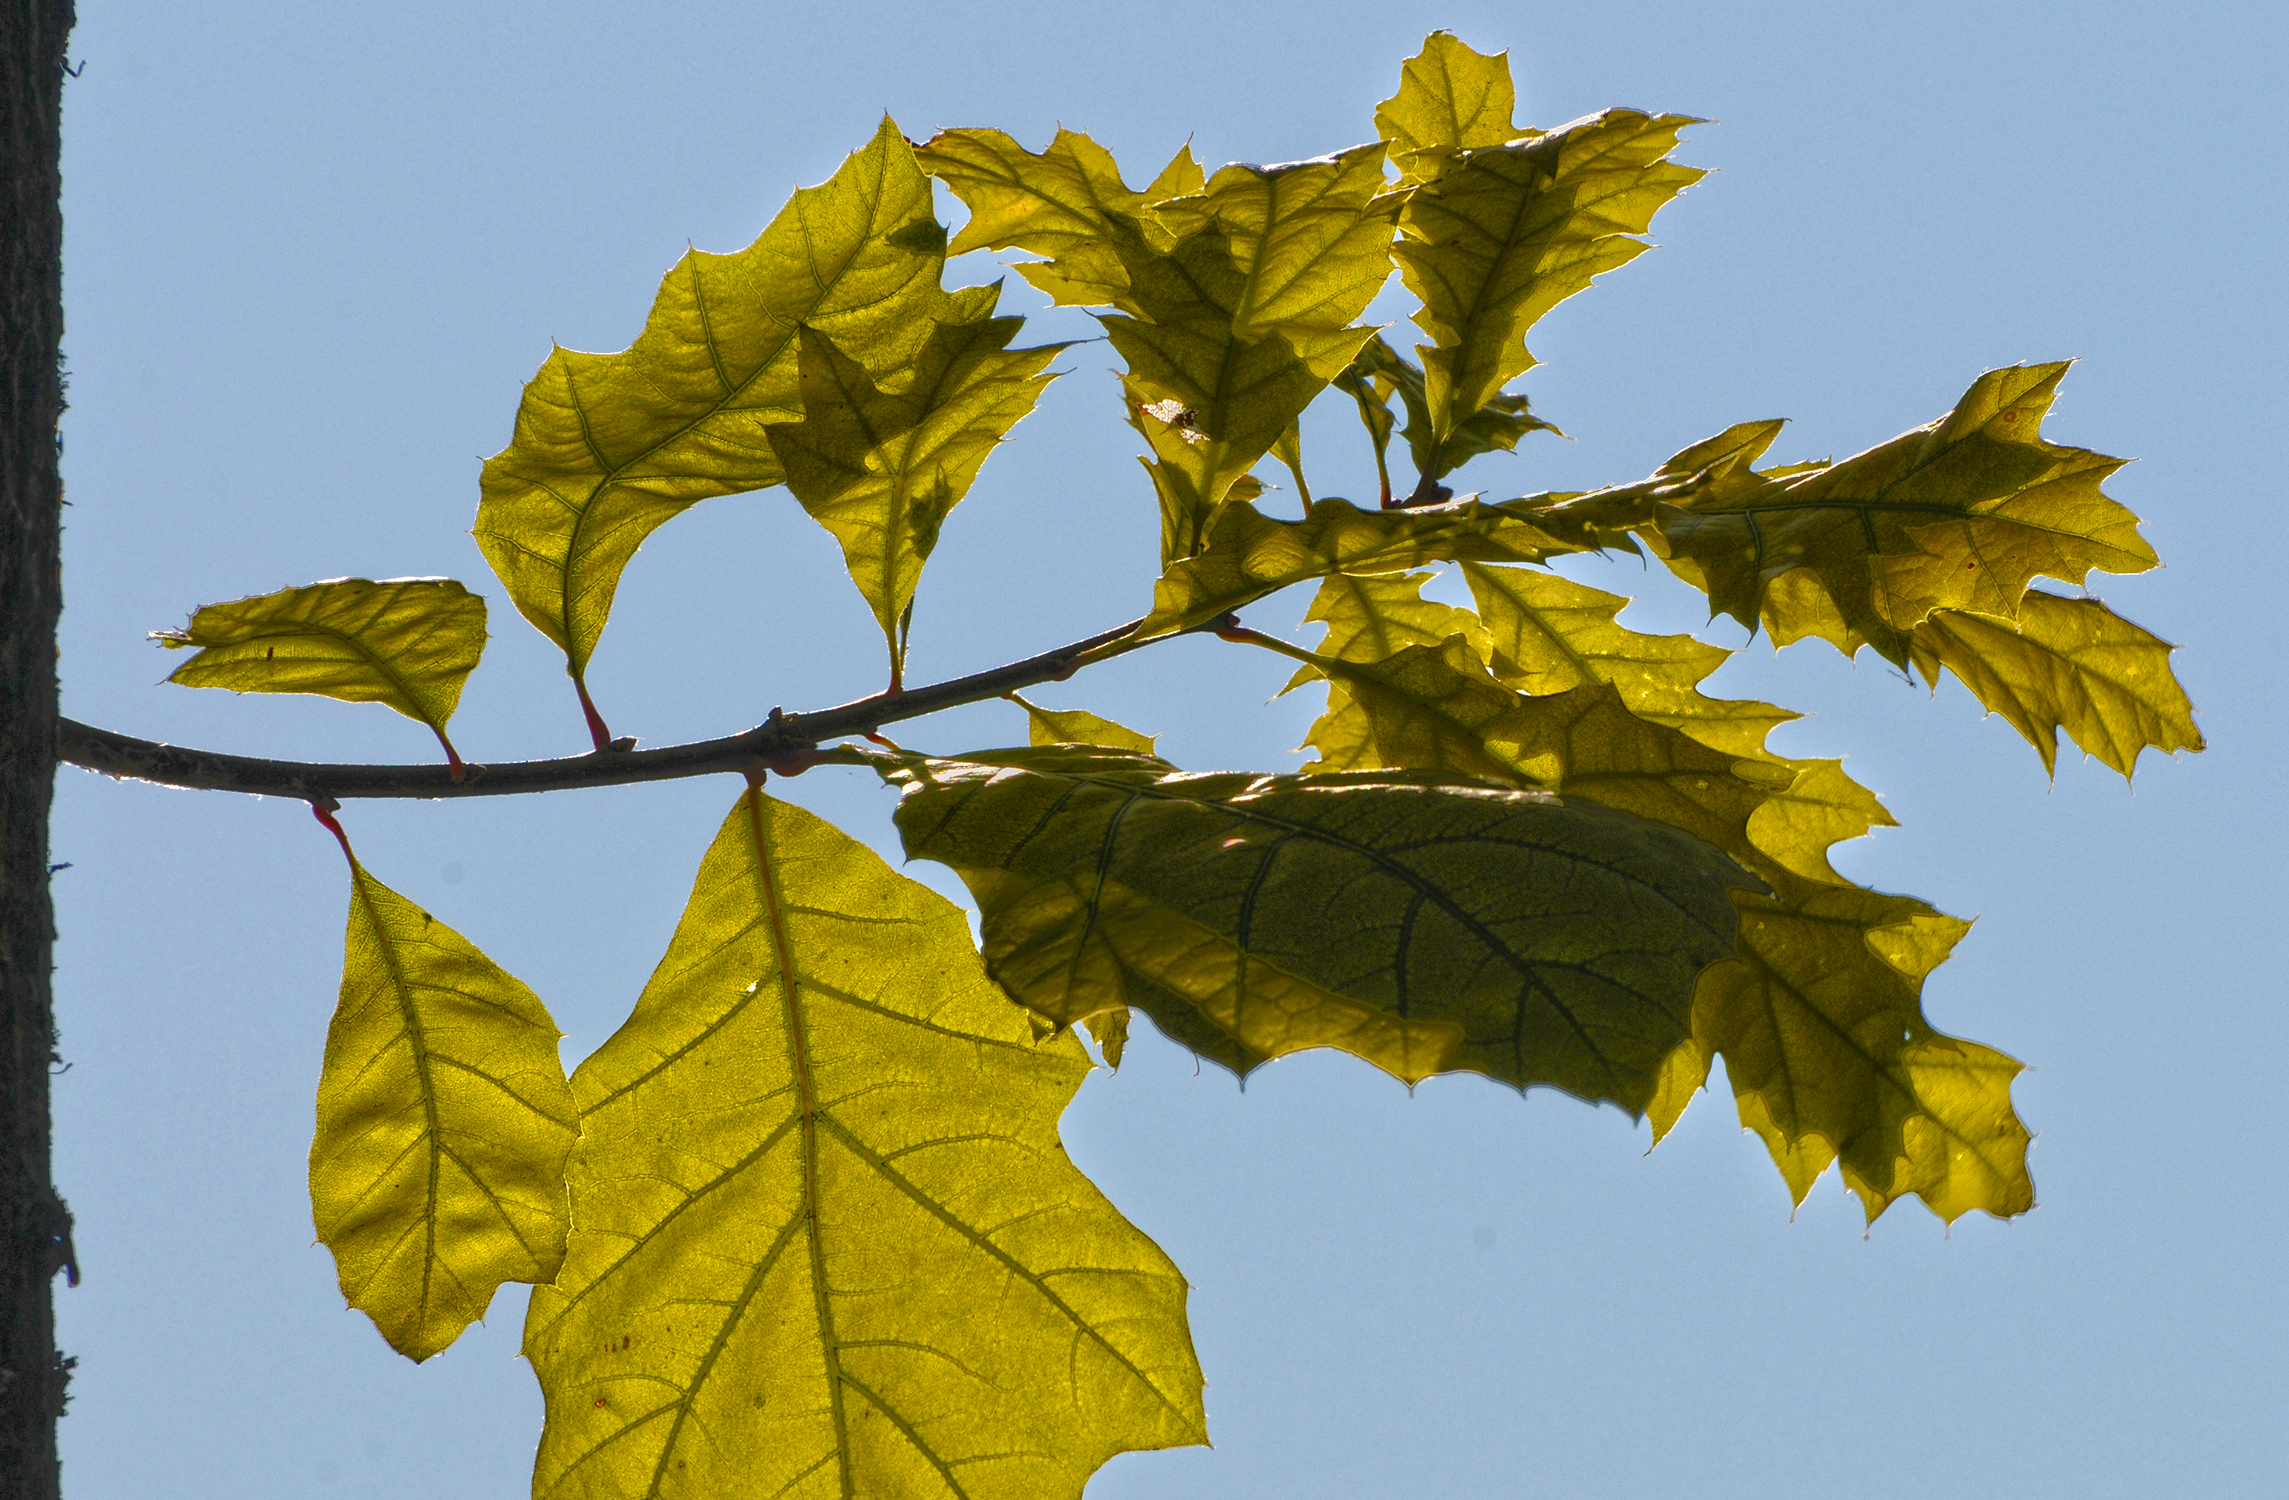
<point>803,1225</point>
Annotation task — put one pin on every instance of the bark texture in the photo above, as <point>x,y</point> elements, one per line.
<point>35,1231</point>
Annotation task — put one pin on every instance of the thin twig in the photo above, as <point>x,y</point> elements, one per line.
<point>780,738</point>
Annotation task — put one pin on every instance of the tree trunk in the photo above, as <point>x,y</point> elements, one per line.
<point>35,1232</point>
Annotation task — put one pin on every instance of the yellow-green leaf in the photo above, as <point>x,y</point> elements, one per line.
<point>1249,555</point>
<point>2065,663</point>
<point>1205,437</point>
<point>1545,634</point>
<point>1820,1009</point>
<point>1231,330</point>
<point>1075,726</point>
<point>1549,634</point>
<point>1379,373</point>
<point>1797,824</point>
<point>1505,233</point>
<point>1060,203</point>
<point>1439,709</point>
<point>1962,514</point>
<point>1370,616</point>
<point>826,1241</point>
<point>881,464</point>
<point>1424,924</point>
<point>1450,98</point>
<point>609,446</point>
<point>1822,1031</point>
<point>406,642</point>
<point>1110,1028</point>
<point>443,1126</point>
<point>1288,449</point>
<point>1311,240</point>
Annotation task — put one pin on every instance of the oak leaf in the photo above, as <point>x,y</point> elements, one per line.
<point>1504,233</point>
<point>819,1148</point>
<point>1450,98</point>
<point>2069,664</point>
<point>1962,514</point>
<point>1060,203</point>
<point>882,468</point>
<point>1074,726</point>
<point>608,447</point>
<point>1422,923</point>
<point>1821,1002</point>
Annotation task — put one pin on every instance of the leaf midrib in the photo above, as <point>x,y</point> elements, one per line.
<point>285,630</point>
<point>808,1118</point>
<point>417,1035</point>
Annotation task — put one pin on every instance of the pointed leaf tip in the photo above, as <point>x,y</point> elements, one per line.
<point>882,456</point>
<point>1079,727</point>
<point>608,447</point>
<point>2069,664</point>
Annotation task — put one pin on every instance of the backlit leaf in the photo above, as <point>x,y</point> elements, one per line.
<point>1549,634</point>
<point>1421,923</point>
<point>1312,241</point>
<point>1250,555</point>
<point>1450,97</point>
<point>1440,709</point>
<point>826,1241</point>
<point>1231,330</point>
<point>2065,663</point>
<point>1059,204</point>
<point>1822,1031</point>
<point>443,1126</point>
<point>1961,514</point>
<point>609,446</point>
<point>1505,233</point>
<point>1379,373</point>
<point>1797,824</point>
<point>1110,1028</point>
<point>1359,382</point>
<point>1370,616</point>
<point>1077,727</point>
<point>406,642</point>
<point>881,468</point>
<point>1821,1006</point>
<point>1543,634</point>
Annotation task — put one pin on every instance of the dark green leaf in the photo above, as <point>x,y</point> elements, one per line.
<point>1425,924</point>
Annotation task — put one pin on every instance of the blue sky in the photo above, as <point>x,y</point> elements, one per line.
<point>312,253</point>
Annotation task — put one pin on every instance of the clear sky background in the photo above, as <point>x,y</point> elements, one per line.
<point>313,250</point>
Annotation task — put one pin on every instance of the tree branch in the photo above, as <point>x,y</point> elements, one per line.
<point>781,736</point>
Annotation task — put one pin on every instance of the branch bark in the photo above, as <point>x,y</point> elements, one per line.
<point>780,737</point>
<point>35,1231</point>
